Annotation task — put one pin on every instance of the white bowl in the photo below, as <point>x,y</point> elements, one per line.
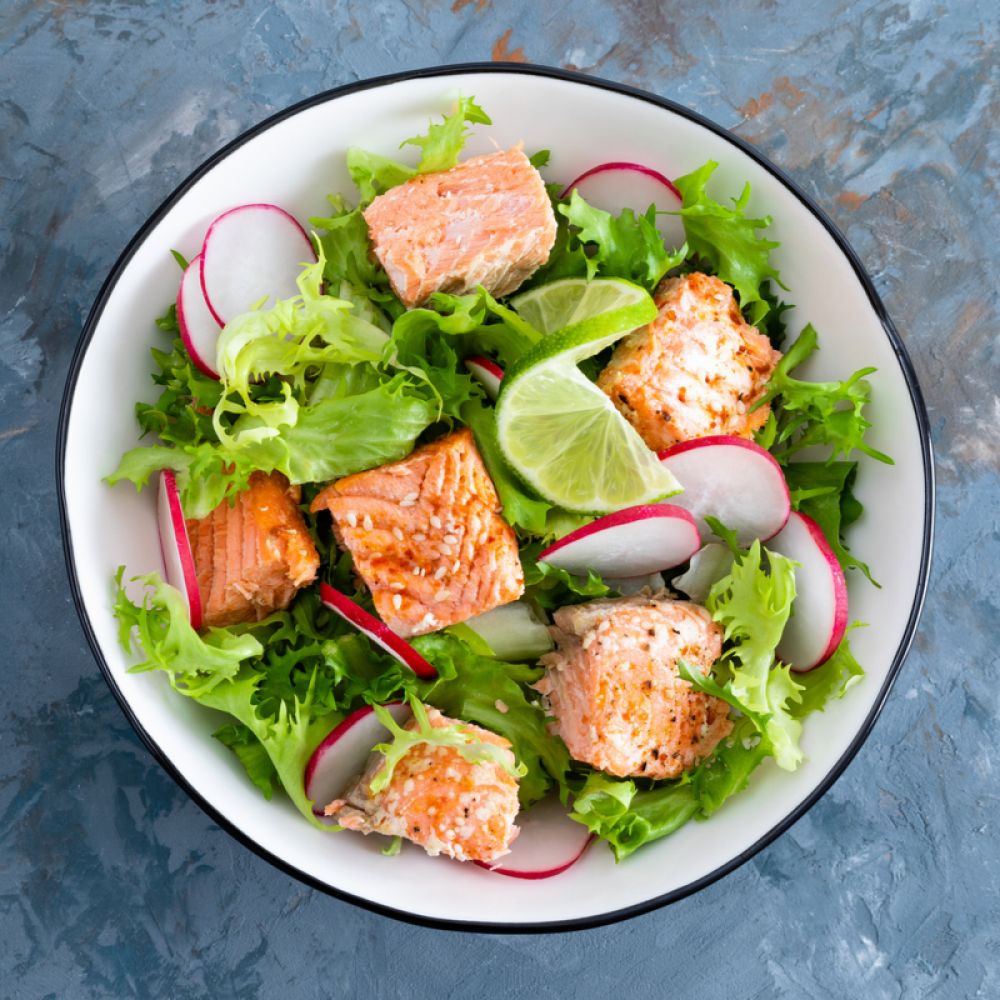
<point>295,159</point>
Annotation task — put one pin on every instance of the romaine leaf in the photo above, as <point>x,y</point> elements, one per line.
<point>726,238</point>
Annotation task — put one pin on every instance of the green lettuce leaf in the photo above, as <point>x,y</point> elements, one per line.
<point>492,694</point>
<point>806,414</point>
<point>726,238</point>
<point>831,680</point>
<point>824,492</point>
<point>622,246</point>
<point>753,606</point>
<point>374,174</point>
<point>627,816</point>
<point>251,754</point>
<point>158,627</point>
<point>443,143</point>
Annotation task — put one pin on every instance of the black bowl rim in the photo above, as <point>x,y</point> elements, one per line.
<point>903,359</point>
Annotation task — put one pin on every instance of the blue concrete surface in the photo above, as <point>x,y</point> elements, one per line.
<point>112,884</point>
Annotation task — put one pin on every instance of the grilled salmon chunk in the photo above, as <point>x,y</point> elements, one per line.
<point>426,536</point>
<point>615,692</point>
<point>696,370</point>
<point>251,558</point>
<point>438,799</point>
<point>487,221</point>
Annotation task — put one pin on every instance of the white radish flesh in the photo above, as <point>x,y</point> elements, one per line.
<point>199,328</point>
<point>487,373</point>
<point>548,844</point>
<point>342,756</point>
<point>632,542</point>
<point>708,566</point>
<point>618,184</point>
<point>379,633</point>
<point>252,253</point>
<point>819,612</point>
<point>731,479</point>
<point>178,559</point>
<point>512,631</point>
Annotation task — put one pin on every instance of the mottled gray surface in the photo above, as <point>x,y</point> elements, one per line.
<point>113,884</point>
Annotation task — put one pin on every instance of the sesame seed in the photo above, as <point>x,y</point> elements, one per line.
<point>457,566</point>
<point>442,595</point>
<point>396,533</point>
<point>440,572</point>
<point>446,550</point>
<point>397,601</point>
<point>352,519</point>
<point>368,522</point>
<point>420,537</point>
<point>450,540</point>
<point>435,521</point>
<point>396,586</point>
<point>501,707</point>
<point>407,503</point>
<point>411,497</point>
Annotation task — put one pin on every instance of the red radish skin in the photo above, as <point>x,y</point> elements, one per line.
<point>380,633</point>
<point>549,842</point>
<point>635,541</point>
<point>819,613</point>
<point>732,479</point>
<point>342,755</point>
<point>178,560</point>
<point>487,373</point>
<point>251,252</point>
<point>622,166</point>
<point>198,326</point>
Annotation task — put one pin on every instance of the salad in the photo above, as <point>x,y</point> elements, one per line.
<point>487,515</point>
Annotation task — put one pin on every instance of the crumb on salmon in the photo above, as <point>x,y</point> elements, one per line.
<point>614,689</point>
<point>696,370</point>
<point>437,799</point>
<point>426,536</point>
<point>252,557</point>
<point>487,221</point>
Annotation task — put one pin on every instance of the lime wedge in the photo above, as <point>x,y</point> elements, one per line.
<point>565,438</point>
<point>570,302</point>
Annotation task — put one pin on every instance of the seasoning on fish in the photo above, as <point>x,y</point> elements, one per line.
<point>251,558</point>
<point>438,799</point>
<point>487,221</point>
<point>696,370</point>
<point>615,692</point>
<point>426,536</point>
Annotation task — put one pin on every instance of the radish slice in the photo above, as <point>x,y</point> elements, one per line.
<point>487,373</point>
<point>819,613</point>
<point>731,479</point>
<point>708,565</point>
<point>342,756</point>
<point>250,253</point>
<point>380,633</point>
<point>199,329</point>
<point>512,631</point>
<point>178,560</point>
<point>635,541</point>
<point>617,185</point>
<point>629,585</point>
<point>549,843</point>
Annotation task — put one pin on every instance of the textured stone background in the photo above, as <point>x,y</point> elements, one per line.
<point>113,884</point>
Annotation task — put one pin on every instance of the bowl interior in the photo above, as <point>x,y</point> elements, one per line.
<point>295,162</point>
